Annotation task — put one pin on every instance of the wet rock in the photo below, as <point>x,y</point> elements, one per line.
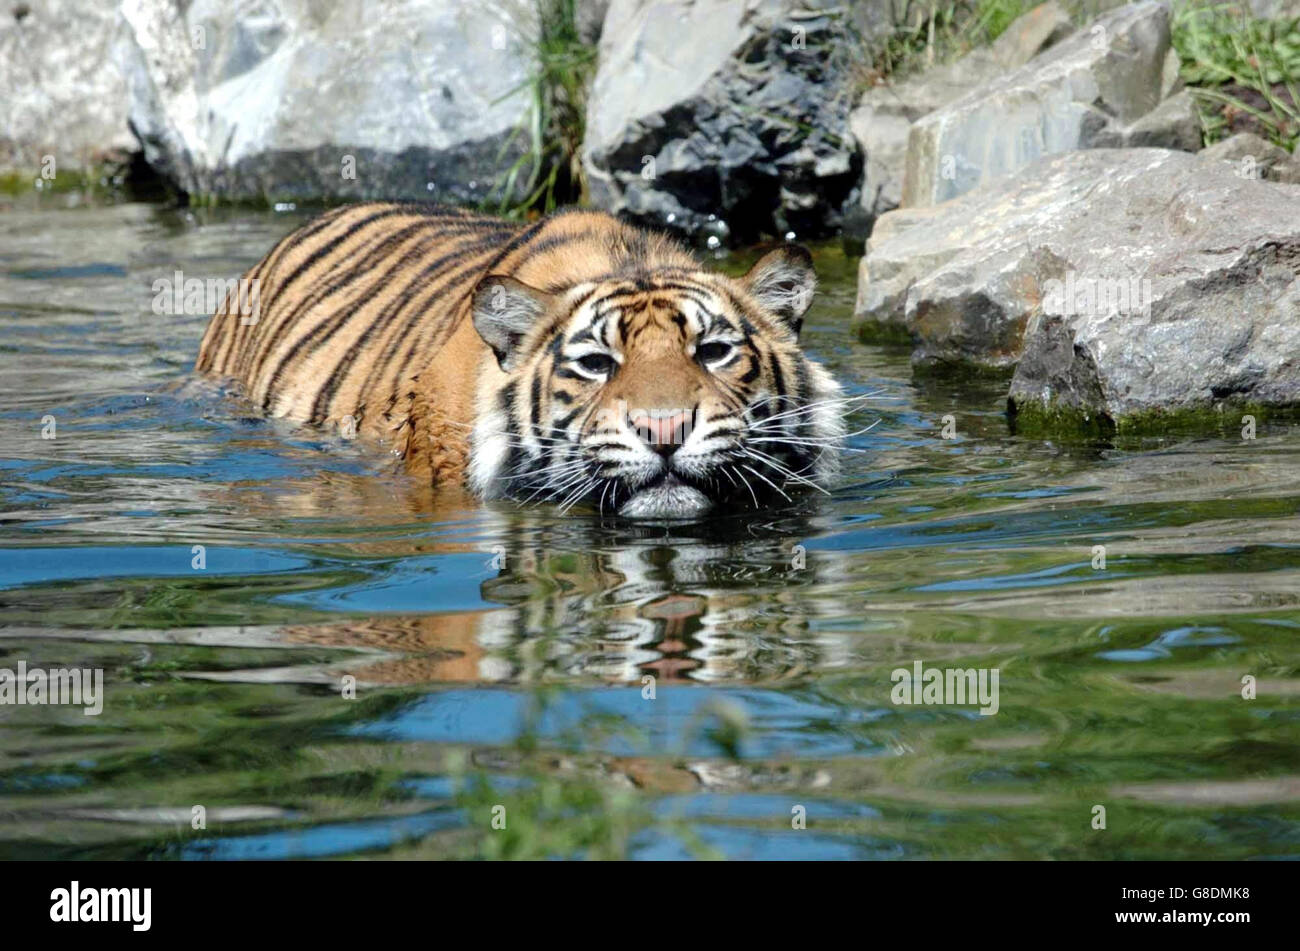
<point>286,99</point>
<point>1254,157</point>
<point>1079,94</point>
<point>885,114</point>
<point>1119,284</point>
<point>726,119</point>
<point>61,97</point>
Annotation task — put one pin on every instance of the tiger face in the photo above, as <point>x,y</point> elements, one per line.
<point>664,393</point>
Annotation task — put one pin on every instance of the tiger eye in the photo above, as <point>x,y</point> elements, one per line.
<point>601,363</point>
<point>713,351</point>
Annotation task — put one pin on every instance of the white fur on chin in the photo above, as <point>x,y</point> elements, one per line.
<point>666,501</point>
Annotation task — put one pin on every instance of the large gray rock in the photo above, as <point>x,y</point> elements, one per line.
<point>724,116</point>
<point>1081,93</point>
<point>884,116</point>
<point>59,94</point>
<point>284,99</point>
<point>1118,283</point>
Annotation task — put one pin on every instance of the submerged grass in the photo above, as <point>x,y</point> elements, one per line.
<point>565,802</point>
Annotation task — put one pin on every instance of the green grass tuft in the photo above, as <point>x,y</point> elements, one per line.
<point>1243,71</point>
<point>549,171</point>
<point>938,32</point>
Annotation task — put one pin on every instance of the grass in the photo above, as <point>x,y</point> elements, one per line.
<point>549,170</point>
<point>112,177</point>
<point>1243,71</point>
<point>936,32</point>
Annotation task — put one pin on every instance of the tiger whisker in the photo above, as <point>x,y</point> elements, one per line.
<point>767,480</point>
<point>557,488</point>
<point>782,470</point>
<point>573,498</point>
<point>555,468</point>
<point>838,436</point>
<point>752,494</point>
<point>795,476</point>
<point>808,444</point>
<point>814,407</point>
<point>829,401</point>
<point>791,414</point>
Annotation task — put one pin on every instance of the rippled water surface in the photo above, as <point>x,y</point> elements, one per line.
<point>500,654</point>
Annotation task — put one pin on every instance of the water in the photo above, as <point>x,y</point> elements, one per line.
<point>772,640</point>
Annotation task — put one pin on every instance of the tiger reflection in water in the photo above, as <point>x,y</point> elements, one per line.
<point>574,598</point>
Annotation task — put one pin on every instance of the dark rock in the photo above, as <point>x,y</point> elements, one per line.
<point>726,120</point>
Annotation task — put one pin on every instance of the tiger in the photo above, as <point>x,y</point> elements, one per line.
<point>578,359</point>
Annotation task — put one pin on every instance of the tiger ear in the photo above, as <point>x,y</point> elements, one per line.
<point>504,310</point>
<point>783,282</point>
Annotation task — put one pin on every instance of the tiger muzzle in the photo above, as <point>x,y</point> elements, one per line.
<point>663,430</point>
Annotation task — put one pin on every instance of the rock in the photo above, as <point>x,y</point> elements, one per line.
<point>1079,94</point>
<point>884,116</point>
<point>881,124</point>
<point>589,17</point>
<point>726,118</point>
<point>1121,284</point>
<point>61,96</point>
<point>1274,9</point>
<point>1029,34</point>
<point>1174,124</point>
<point>285,99</point>
<point>1171,80</point>
<point>1254,157</point>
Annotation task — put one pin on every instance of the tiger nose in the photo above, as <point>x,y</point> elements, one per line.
<point>663,430</point>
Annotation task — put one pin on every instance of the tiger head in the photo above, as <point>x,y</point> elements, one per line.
<point>665,392</point>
